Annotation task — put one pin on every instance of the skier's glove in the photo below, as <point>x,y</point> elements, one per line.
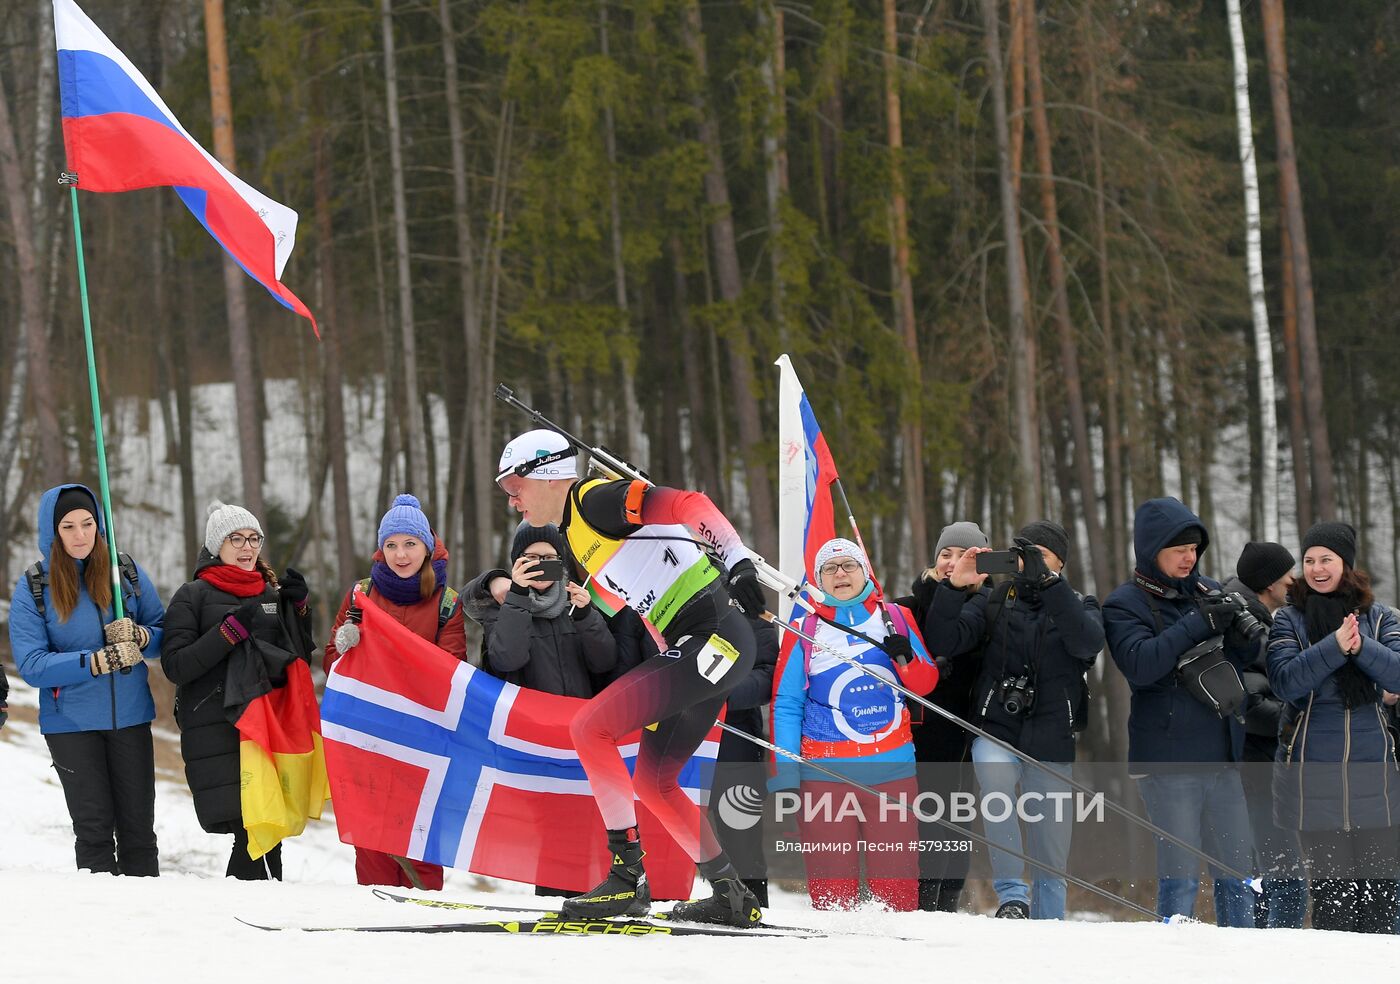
<point>115,657</point>
<point>745,589</point>
<point>125,630</point>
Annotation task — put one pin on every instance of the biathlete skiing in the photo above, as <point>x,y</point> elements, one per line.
<point>644,546</point>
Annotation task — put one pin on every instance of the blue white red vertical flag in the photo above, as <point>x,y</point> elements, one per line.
<point>806,472</point>
<point>120,136</point>
<point>432,759</point>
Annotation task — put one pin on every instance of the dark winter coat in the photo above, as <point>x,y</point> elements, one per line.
<point>1051,636</point>
<point>53,655</point>
<point>1262,719</point>
<point>635,645</point>
<point>936,739</point>
<point>555,655</point>
<point>1336,768</point>
<point>744,708</point>
<point>196,658</point>
<point>1147,634</point>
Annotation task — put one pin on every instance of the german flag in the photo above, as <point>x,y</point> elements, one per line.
<point>283,767</point>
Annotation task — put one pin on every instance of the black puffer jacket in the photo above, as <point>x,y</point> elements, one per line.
<point>555,655</point>
<point>1261,721</point>
<point>936,739</point>
<point>1050,635</point>
<point>196,658</point>
<point>744,709</point>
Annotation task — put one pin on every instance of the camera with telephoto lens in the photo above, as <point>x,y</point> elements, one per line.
<point>1017,695</point>
<point>1245,629</point>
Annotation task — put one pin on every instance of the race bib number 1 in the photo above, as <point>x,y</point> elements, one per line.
<point>716,658</point>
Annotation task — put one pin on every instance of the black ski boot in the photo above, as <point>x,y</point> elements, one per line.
<point>624,892</point>
<point>733,904</point>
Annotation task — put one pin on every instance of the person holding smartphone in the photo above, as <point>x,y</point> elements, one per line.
<point>541,629</point>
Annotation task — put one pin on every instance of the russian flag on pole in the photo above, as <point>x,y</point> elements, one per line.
<point>432,759</point>
<point>120,136</point>
<point>806,472</point>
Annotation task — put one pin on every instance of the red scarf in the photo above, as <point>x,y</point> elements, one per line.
<point>234,580</point>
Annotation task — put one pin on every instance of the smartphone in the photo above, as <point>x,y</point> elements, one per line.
<point>998,562</point>
<point>549,570</point>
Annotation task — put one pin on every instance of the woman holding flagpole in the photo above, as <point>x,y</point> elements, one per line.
<point>234,602</point>
<point>830,713</point>
<point>95,706</point>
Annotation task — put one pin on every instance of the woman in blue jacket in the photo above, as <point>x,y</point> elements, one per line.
<point>95,707</point>
<point>1332,653</point>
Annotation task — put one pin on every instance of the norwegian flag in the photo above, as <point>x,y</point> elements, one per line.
<point>432,759</point>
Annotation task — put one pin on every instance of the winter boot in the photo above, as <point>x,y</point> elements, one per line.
<point>1015,909</point>
<point>624,892</point>
<point>733,904</point>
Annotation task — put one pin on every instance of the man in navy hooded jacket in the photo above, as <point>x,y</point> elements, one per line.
<point>1182,753</point>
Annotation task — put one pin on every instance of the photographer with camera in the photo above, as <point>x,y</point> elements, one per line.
<point>1038,637</point>
<point>1262,578</point>
<point>1181,643</point>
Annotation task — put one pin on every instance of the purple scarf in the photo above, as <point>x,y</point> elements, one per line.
<point>404,590</point>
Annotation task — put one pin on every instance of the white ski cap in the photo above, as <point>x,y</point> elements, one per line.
<point>543,454</point>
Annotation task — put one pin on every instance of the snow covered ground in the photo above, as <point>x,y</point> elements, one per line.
<point>60,926</point>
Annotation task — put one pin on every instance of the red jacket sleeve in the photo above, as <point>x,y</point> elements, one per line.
<point>694,510</point>
<point>331,655</point>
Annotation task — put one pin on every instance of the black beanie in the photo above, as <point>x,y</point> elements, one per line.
<point>1340,538</point>
<point>1263,563</point>
<point>70,499</point>
<point>525,534</point>
<point>1190,534</point>
<point>1049,535</point>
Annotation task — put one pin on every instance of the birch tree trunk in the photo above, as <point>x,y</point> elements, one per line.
<point>1021,371</point>
<point>1069,344</point>
<point>416,464</point>
<point>762,520</point>
<point>1263,342</point>
<point>1291,192</point>
<point>247,399</point>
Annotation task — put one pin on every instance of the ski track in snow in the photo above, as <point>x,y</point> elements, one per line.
<point>61,926</point>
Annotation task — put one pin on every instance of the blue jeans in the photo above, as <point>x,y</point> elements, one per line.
<point>1284,902</point>
<point>1047,839</point>
<point>1206,809</point>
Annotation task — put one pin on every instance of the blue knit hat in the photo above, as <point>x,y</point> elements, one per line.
<point>406,516</point>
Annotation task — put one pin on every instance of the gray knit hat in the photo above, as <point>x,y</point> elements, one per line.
<point>223,520</point>
<point>964,534</point>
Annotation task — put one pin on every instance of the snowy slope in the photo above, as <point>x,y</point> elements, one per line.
<point>61,926</point>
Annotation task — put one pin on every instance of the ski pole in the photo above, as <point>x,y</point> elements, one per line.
<point>1122,811</point>
<point>949,825</point>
